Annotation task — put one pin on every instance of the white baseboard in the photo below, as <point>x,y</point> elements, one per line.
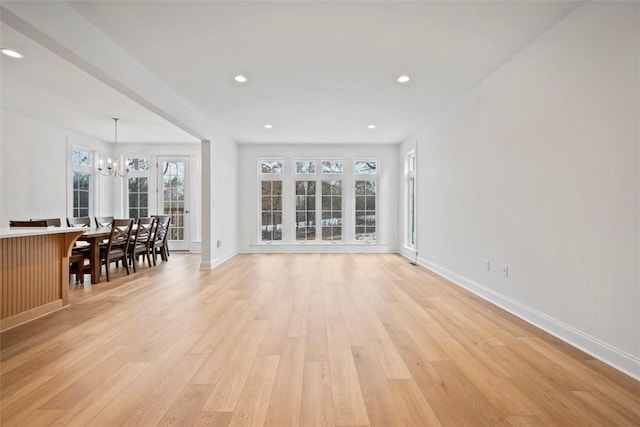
<point>602,351</point>
<point>210,265</point>
<point>315,248</point>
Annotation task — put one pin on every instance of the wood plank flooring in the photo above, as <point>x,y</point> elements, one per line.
<point>304,339</point>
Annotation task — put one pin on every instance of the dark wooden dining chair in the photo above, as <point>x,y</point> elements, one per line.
<point>51,222</point>
<point>82,221</point>
<point>159,245</point>
<point>141,242</point>
<point>77,266</point>
<point>103,221</point>
<point>30,223</point>
<point>118,244</point>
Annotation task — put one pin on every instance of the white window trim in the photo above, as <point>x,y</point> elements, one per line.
<point>366,177</point>
<point>285,178</point>
<point>409,173</point>
<point>289,177</point>
<point>331,177</point>
<point>315,176</point>
<point>91,170</point>
<point>139,174</point>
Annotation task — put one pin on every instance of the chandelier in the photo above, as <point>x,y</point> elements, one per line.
<point>113,169</point>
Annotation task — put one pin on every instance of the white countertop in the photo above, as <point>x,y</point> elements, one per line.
<point>8,232</point>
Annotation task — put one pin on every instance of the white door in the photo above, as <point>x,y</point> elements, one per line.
<point>173,199</point>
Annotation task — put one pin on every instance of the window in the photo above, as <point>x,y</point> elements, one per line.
<point>271,166</point>
<point>332,210</point>
<point>271,210</point>
<point>138,197</point>
<point>365,174</point>
<point>322,201</point>
<point>81,194</point>
<point>271,199</point>
<point>138,164</point>
<point>365,211</point>
<point>81,157</point>
<point>173,196</point>
<point>138,186</point>
<point>365,167</point>
<point>305,210</point>
<point>305,167</point>
<point>332,167</point>
<point>81,181</point>
<point>410,194</point>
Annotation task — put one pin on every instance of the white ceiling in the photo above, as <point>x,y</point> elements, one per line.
<point>49,89</point>
<point>318,71</point>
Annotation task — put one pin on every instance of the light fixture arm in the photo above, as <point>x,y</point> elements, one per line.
<point>112,168</point>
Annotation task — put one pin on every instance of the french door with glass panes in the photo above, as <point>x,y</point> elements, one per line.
<point>173,199</point>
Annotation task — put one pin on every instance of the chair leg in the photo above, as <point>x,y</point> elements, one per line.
<point>106,267</point>
<point>148,258</point>
<point>126,265</point>
<point>134,261</point>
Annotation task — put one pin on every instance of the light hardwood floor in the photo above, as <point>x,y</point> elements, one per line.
<point>310,340</point>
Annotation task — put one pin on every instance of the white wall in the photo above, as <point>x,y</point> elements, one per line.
<point>225,190</point>
<point>219,201</point>
<point>537,168</point>
<point>35,174</point>
<point>387,184</point>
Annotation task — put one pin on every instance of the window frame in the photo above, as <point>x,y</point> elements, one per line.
<point>86,169</point>
<point>366,177</point>
<point>410,208</point>
<point>290,213</point>
<point>270,176</point>
<point>136,173</point>
<point>306,211</point>
<point>335,176</point>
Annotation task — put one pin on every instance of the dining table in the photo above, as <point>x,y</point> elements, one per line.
<point>94,236</point>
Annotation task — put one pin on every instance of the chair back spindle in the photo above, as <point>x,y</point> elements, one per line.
<point>103,221</point>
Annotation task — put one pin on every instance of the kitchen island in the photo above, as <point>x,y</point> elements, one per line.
<point>34,272</point>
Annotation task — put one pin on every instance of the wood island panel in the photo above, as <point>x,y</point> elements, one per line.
<point>34,275</point>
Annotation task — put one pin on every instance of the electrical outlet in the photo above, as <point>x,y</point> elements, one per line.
<point>487,265</point>
<point>505,270</point>
<point>218,243</point>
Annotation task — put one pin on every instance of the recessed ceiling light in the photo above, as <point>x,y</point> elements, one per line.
<point>371,126</point>
<point>268,126</point>
<point>240,78</point>
<point>403,78</point>
<point>12,53</point>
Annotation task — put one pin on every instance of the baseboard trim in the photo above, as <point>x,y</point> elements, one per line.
<point>614,357</point>
<point>325,248</point>
<point>210,265</point>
